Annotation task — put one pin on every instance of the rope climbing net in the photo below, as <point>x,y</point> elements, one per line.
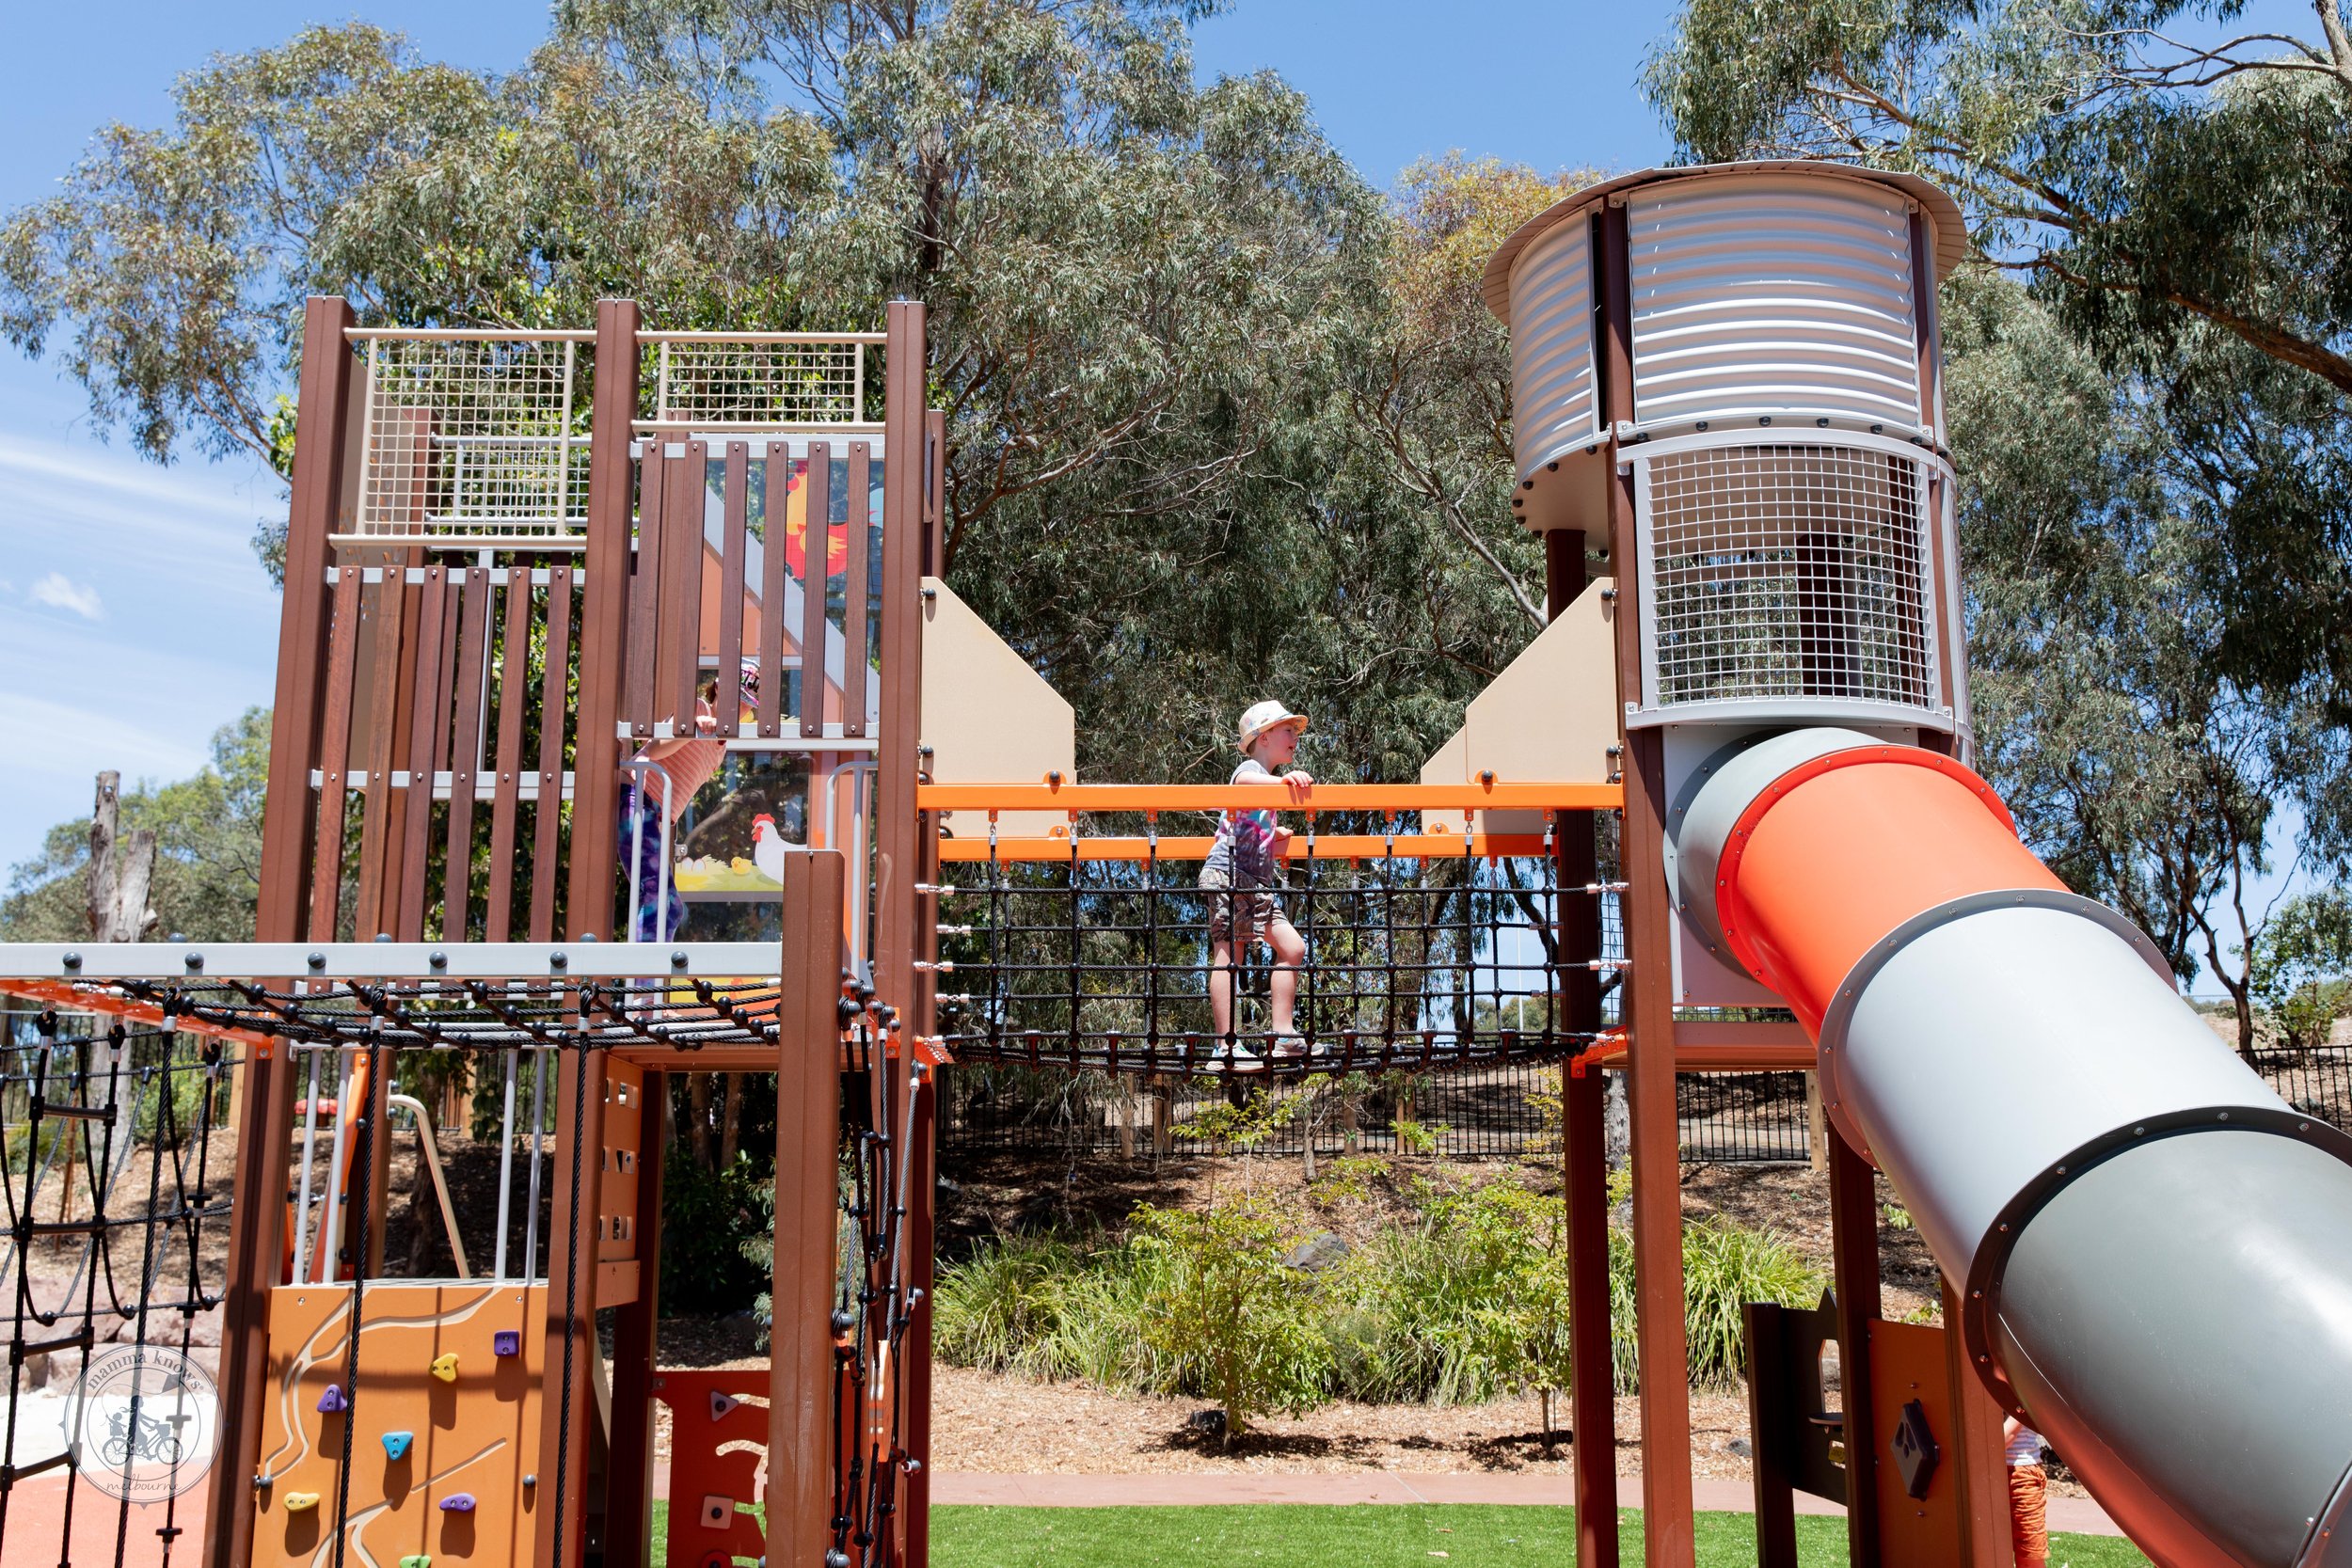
<point>877,1294</point>
<point>116,1195</point>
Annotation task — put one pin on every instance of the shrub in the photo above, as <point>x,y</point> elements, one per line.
<point>1723,1266</point>
<point>706,1216</point>
<point>1232,1321</point>
<point>1470,1304</point>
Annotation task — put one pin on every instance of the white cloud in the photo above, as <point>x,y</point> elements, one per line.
<point>60,592</point>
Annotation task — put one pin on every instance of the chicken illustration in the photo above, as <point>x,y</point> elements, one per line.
<point>768,848</point>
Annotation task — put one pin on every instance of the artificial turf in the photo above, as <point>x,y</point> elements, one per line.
<point>1363,1535</point>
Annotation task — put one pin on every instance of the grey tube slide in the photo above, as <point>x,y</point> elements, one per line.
<point>2154,1250</point>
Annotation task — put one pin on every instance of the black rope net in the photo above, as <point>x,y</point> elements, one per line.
<point>680,1014</point>
<point>878,1293</point>
<point>116,1194</point>
<point>1409,965</point>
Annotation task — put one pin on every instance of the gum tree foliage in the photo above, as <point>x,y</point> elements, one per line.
<point>2176,186</point>
<point>2303,966</point>
<point>1161,312</point>
<point>2136,760</point>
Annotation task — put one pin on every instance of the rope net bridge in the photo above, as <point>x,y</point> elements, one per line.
<point>1429,942</point>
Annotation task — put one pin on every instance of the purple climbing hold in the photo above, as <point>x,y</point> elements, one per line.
<point>458,1502</point>
<point>332,1403</point>
<point>507,1341</point>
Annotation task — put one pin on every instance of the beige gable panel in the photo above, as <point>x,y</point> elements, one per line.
<point>987,718</point>
<point>1550,718</point>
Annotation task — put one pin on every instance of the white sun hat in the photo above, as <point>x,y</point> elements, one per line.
<point>1262,716</point>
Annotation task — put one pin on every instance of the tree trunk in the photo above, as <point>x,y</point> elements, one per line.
<point>730,1117</point>
<point>122,870</point>
<point>698,1135</point>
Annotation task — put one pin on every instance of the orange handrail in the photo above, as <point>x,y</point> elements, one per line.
<point>964,849</point>
<point>1049,795</point>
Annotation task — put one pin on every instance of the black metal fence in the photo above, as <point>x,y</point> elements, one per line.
<point>1501,1111</point>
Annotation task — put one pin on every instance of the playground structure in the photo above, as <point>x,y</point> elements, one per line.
<point>1731,775</point>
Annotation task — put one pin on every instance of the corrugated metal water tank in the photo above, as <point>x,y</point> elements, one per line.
<point>1555,395</point>
<point>1772,295</point>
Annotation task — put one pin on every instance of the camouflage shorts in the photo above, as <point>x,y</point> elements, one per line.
<point>1252,907</point>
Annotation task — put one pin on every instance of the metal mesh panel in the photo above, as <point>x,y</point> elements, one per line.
<point>1786,572</point>
<point>475,439</point>
<point>716,383</point>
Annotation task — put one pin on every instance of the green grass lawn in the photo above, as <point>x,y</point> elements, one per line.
<point>1370,1535</point>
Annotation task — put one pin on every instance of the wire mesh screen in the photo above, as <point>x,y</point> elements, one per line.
<point>117,1193</point>
<point>1788,571</point>
<point>474,438</point>
<point>722,383</point>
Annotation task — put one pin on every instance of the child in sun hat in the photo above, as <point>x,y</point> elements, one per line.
<point>1242,877</point>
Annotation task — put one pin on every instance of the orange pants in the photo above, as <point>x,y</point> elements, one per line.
<point>2028,1511</point>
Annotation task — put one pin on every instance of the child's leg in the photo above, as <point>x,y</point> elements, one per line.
<point>1290,951</point>
<point>1221,986</point>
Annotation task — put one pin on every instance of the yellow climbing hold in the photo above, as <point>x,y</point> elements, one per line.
<point>301,1502</point>
<point>445,1367</point>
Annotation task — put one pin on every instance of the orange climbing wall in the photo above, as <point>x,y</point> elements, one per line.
<point>718,1442</point>
<point>477,1434</point>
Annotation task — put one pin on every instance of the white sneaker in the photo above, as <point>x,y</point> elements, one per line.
<point>1290,1045</point>
<point>1240,1058</point>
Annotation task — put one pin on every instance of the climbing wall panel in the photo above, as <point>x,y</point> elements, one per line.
<point>440,1425</point>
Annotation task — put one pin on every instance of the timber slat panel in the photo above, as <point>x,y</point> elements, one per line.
<point>817,513</point>
<point>776,506</point>
<point>465,759</point>
<point>388,658</point>
<point>326,866</point>
<point>514,696</point>
<point>679,651</point>
<point>853,621</point>
<point>645,588</point>
<point>548,815</point>
<point>425,719</point>
<point>731,586</point>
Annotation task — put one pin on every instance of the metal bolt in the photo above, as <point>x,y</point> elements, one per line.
<point>558,961</point>
<point>74,960</point>
<point>438,958</point>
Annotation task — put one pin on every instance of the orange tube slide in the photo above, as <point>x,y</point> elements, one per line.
<point>1844,848</point>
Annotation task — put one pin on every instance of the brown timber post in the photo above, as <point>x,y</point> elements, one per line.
<point>800,1395</point>
<point>1853,1222</point>
<point>1584,1138</point>
<point>265,1104</point>
<point>588,904</point>
<point>568,1404</point>
<point>1647,987</point>
<point>636,1343</point>
<point>900,913</point>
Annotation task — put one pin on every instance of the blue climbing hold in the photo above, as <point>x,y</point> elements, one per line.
<point>396,1443</point>
<point>507,1341</point>
<point>458,1502</point>
<point>332,1403</point>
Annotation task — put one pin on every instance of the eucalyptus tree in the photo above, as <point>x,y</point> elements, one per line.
<point>2154,174</point>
